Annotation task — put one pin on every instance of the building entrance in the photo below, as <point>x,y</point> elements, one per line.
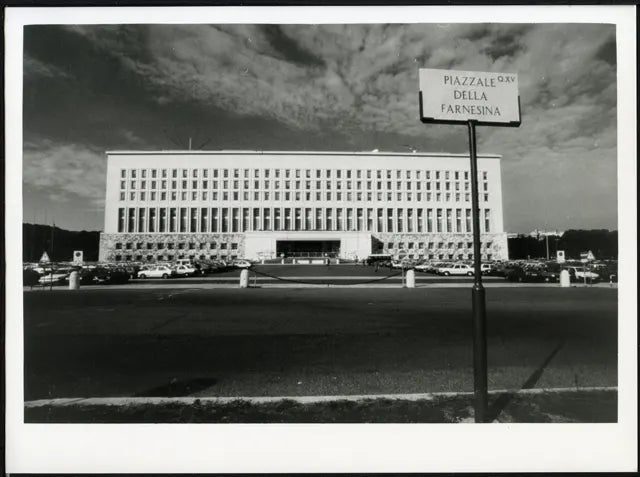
<point>308,248</point>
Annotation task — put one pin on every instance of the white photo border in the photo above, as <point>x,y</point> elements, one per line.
<point>51,448</point>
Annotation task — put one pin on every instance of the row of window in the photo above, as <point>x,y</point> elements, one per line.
<point>296,173</point>
<point>178,246</point>
<point>306,185</point>
<point>245,219</point>
<point>233,256</point>
<point>409,246</point>
<point>171,257</point>
<point>206,196</point>
<point>390,247</point>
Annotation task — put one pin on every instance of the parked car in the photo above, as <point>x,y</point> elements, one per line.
<point>241,264</point>
<point>30,277</point>
<point>54,278</point>
<point>455,269</point>
<point>423,267</point>
<point>132,270</point>
<point>580,274</point>
<point>528,274</point>
<point>110,275</point>
<point>184,271</point>
<point>485,268</point>
<point>160,271</point>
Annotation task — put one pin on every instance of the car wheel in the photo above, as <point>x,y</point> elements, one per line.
<point>143,276</point>
<point>470,274</point>
<point>446,274</point>
<point>164,275</point>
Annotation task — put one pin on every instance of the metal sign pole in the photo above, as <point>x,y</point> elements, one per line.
<point>477,295</point>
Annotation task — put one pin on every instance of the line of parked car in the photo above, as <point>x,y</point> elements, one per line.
<point>512,270</point>
<point>112,273</point>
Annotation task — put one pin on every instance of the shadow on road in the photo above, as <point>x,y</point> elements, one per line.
<point>503,400</point>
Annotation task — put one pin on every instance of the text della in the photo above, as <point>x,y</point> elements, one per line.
<point>473,101</point>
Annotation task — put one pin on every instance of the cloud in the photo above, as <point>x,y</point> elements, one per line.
<point>355,76</point>
<point>67,171</point>
<point>360,81</point>
<point>34,67</point>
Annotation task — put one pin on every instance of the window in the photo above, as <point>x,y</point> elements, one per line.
<point>246,219</point>
<point>132,221</point>
<point>487,220</point>
<point>152,220</point>
<point>172,219</point>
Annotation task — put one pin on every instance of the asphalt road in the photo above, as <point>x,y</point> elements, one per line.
<point>309,341</point>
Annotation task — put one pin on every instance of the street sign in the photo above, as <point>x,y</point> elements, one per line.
<point>473,98</point>
<point>45,258</point>
<point>78,257</point>
<point>560,256</point>
<point>452,96</point>
<point>587,257</point>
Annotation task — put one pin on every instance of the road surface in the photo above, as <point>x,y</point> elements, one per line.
<point>311,341</point>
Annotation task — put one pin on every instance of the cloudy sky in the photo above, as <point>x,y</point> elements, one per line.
<point>88,89</point>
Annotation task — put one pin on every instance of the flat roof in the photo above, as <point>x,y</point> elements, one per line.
<point>303,153</point>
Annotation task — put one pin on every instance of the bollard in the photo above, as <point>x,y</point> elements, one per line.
<point>411,279</point>
<point>282,261</point>
<point>262,261</point>
<point>74,281</point>
<point>337,261</point>
<point>244,278</point>
<point>565,280</point>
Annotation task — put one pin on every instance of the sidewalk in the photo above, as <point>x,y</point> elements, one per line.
<point>234,282</point>
<point>562,405</point>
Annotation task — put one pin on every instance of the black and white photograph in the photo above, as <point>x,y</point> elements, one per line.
<point>336,216</point>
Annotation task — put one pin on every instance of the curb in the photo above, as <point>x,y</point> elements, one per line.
<point>127,401</point>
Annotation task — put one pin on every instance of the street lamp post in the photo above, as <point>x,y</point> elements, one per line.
<point>478,300</point>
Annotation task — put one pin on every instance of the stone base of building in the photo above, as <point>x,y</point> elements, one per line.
<point>268,245</point>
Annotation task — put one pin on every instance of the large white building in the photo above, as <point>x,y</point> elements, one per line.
<point>164,205</point>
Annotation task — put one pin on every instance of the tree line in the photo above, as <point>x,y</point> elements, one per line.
<point>603,243</point>
<point>58,243</point>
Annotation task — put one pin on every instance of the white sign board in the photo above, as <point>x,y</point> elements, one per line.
<point>452,96</point>
<point>78,257</point>
<point>560,256</point>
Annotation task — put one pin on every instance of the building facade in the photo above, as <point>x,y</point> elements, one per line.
<point>165,205</point>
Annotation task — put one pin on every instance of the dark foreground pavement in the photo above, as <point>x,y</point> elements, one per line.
<point>297,342</point>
